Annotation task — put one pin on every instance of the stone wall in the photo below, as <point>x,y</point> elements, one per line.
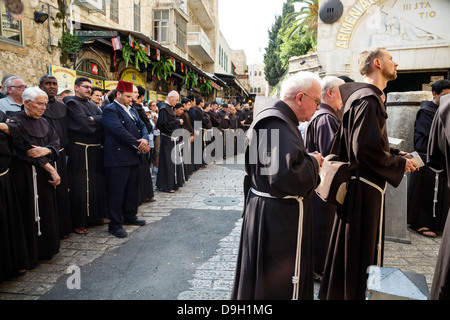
<point>402,109</point>
<point>31,60</point>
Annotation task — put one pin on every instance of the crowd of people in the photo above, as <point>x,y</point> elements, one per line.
<point>73,159</point>
<point>290,236</point>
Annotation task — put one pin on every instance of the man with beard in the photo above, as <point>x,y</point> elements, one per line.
<point>146,193</point>
<point>56,115</point>
<point>438,160</point>
<point>85,158</point>
<point>428,196</point>
<point>357,238</point>
<point>274,259</point>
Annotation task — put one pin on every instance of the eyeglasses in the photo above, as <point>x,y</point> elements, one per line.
<point>20,87</point>
<point>316,101</point>
<point>86,87</point>
<point>41,104</point>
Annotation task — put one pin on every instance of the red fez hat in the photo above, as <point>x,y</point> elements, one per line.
<point>124,86</point>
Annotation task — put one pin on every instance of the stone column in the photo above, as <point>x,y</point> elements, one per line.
<point>402,109</point>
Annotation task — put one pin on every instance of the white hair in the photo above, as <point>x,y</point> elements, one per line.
<point>8,83</point>
<point>29,94</point>
<point>330,82</point>
<point>298,82</point>
<point>172,93</point>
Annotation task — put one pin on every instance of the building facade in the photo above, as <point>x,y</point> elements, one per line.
<point>182,33</point>
<point>413,31</point>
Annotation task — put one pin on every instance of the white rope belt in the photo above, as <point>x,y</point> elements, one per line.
<point>296,276</point>
<point>436,190</point>
<point>205,132</point>
<point>86,146</point>
<point>380,236</point>
<point>37,218</point>
<point>3,173</point>
<point>174,140</point>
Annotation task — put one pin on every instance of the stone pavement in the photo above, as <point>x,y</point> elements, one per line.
<point>213,279</point>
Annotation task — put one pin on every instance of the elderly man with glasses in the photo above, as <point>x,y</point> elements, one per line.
<point>36,178</point>
<point>12,89</point>
<point>275,252</point>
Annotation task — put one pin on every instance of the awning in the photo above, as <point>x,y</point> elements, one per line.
<point>231,80</point>
<point>143,37</point>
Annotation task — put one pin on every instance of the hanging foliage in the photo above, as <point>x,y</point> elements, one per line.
<point>140,55</point>
<point>163,68</point>
<point>190,80</point>
<point>206,87</point>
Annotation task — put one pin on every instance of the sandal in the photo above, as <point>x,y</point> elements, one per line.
<point>426,232</point>
<point>80,230</point>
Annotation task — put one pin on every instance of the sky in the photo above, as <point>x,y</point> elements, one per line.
<point>245,24</point>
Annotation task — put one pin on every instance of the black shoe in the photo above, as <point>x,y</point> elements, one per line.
<point>137,222</point>
<point>119,233</point>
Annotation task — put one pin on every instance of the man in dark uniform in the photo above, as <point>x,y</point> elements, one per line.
<point>187,151</point>
<point>319,136</point>
<point>167,123</point>
<point>428,196</point>
<point>126,139</point>
<point>438,160</point>
<point>56,115</point>
<point>357,238</point>
<point>85,158</point>
<point>276,239</point>
<point>146,193</point>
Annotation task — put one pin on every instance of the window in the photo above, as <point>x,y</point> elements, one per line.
<point>161,25</point>
<point>10,28</point>
<point>181,32</point>
<point>137,15</point>
<point>114,10</point>
<point>90,68</point>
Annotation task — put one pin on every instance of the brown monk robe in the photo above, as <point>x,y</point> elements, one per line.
<point>276,239</point>
<point>357,239</point>
<point>439,161</point>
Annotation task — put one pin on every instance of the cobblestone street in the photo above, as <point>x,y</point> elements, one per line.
<point>213,279</point>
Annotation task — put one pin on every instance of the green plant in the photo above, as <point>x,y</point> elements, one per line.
<point>162,69</point>
<point>307,17</point>
<point>206,87</point>
<point>190,80</point>
<point>140,56</point>
<point>69,44</point>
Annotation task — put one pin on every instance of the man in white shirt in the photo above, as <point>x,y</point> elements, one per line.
<point>12,89</point>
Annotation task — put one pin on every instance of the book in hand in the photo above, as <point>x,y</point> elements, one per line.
<point>414,156</point>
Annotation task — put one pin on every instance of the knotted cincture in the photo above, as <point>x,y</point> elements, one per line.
<point>296,276</point>
<point>37,218</point>
<point>436,190</point>
<point>380,236</point>
<point>86,146</point>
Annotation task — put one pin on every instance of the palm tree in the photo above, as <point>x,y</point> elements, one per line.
<point>307,18</point>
